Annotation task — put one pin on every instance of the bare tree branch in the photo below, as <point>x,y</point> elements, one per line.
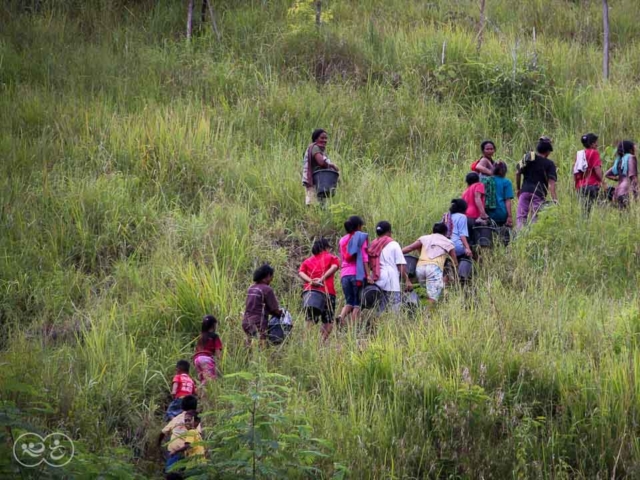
<point>605,46</point>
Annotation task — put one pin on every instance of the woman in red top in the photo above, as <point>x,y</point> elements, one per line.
<point>474,195</point>
<point>318,272</point>
<point>208,350</point>
<point>589,178</point>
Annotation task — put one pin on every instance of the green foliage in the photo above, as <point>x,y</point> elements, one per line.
<point>258,433</point>
<point>144,178</point>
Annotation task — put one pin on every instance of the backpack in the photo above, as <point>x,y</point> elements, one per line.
<point>528,158</point>
<point>475,164</point>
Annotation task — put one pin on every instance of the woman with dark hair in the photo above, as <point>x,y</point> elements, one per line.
<point>434,251</point>
<point>625,172</point>
<point>315,158</point>
<point>587,171</point>
<point>537,176</point>
<point>261,302</point>
<point>208,348</point>
<point>457,227</point>
<point>475,197</point>
<point>317,272</point>
<point>354,270</point>
<point>485,165</point>
<point>387,265</point>
<point>501,214</point>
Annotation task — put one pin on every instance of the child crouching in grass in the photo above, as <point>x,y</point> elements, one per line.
<point>193,449</point>
<point>182,386</point>
<point>178,429</point>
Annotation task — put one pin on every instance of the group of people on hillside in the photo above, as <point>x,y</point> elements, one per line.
<point>536,177</point>
<point>382,261</point>
<point>183,427</point>
<point>362,262</point>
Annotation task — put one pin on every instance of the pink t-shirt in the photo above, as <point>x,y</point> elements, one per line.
<point>349,265</point>
<point>469,197</point>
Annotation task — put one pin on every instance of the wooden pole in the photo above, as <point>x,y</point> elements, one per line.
<point>189,19</point>
<point>318,12</point>
<point>535,50</point>
<point>481,25</point>
<point>605,56</point>
<point>214,24</point>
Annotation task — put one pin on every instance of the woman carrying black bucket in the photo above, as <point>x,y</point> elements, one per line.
<point>317,272</point>
<point>315,159</point>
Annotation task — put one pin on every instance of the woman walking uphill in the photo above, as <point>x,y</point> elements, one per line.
<point>315,159</point>
<point>317,272</point>
<point>587,171</point>
<point>261,302</point>
<point>625,172</point>
<point>535,176</point>
<point>387,265</point>
<point>501,213</point>
<point>355,266</point>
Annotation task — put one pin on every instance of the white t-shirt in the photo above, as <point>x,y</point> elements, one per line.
<point>390,257</point>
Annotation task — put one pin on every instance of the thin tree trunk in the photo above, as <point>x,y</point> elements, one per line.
<point>189,19</point>
<point>203,11</point>
<point>214,24</point>
<point>535,50</point>
<point>318,12</point>
<point>605,57</point>
<point>481,26</point>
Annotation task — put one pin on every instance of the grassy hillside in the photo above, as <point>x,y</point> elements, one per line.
<point>144,178</point>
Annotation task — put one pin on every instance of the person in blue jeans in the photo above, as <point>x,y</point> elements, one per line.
<point>504,195</point>
<point>354,269</point>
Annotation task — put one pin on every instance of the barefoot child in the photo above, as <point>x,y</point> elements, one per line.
<point>182,386</point>
<point>208,350</point>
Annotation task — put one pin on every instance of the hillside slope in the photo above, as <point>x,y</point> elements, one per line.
<point>143,178</point>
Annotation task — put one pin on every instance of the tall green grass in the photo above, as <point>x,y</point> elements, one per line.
<point>144,178</point>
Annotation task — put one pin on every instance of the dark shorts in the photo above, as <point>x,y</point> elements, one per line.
<point>253,326</point>
<point>327,315</point>
<point>351,291</point>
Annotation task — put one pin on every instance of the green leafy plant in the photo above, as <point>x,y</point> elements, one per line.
<point>259,434</point>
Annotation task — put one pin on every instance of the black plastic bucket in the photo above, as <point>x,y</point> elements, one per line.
<point>313,299</point>
<point>465,269</point>
<point>325,181</point>
<point>504,234</point>
<point>412,263</point>
<point>371,296</point>
<point>483,235</point>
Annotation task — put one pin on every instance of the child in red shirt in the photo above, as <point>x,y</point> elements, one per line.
<point>182,386</point>
<point>208,350</point>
